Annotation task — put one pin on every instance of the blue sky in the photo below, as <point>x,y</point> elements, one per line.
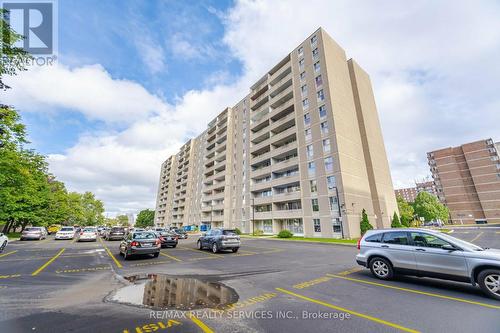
<point>136,79</point>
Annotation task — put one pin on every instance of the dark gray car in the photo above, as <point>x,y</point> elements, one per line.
<point>115,233</point>
<point>219,239</point>
<point>428,253</point>
<point>143,242</point>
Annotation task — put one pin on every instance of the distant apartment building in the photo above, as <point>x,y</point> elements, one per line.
<point>410,193</point>
<point>467,178</point>
<point>302,151</point>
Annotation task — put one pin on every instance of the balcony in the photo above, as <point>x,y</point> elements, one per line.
<point>279,76</point>
<point>261,186</point>
<point>260,102</point>
<point>286,180</point>
<point>255,148</point>
<point>262,215</point>
<point>280,67</point>
<point>277,197</point>
<point>261,157</point>
<point>261,172</point>
<point>283,121</point>
<point>286,214</point>
<point>278,138</point>
<point>282,85</point>
<point>262,200</point>
<point>285,164</point>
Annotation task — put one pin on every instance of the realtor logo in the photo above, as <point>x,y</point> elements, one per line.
<point>36,22</point>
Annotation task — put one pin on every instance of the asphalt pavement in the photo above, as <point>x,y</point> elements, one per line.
<point>63,286</point>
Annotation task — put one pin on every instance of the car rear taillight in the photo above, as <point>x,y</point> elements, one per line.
<point>81,233</point>
<point>359,244</point>
<point>134,243</point>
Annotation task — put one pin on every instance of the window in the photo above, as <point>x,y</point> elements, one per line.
<point>311,168</point>
<point>329,164</point>
<point>317,67</point>
<point>319,81</point>
<point>315,205</point>
<point>302,76</point>
<point>337,225</point>
<point>326,145</point>
<point>310,151</point>
<point>317,225</point>
<point>324,127</point>
<point>267,226</point>
<point>334,204</point>
<point>331,182</point>
<point>305,103</point>
<point>321,95</point>
<point>303,90</point>
<point>314,40</point>
<point>322,111</point>
<point>308,134</point>
<point>315,53</point>
<point>307,119</point>
<point>395,238</point>
<point>374,239</point>
<point>494,158</point>
<point>300,51</point>
<point>427,240</point>
<point>314,187</point>
<point>301,64</point>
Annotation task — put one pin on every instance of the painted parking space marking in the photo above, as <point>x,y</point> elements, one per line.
<point>41,268</point>
<point>150,263</point>
<point>117,263</point>
<point>311,283</point>
<point>477,237</point>
<point>350,271</point>
<point>200,324</point>
<point>202,258</point>
<point>171,257</point>
<point>45,257</point>
<point>249,302</point>
<point>354,313</point>
<point>153,327</point>
<point>414,291</point>
<point>8,253</point>
<point>82,270</point>
<point>10,276</point>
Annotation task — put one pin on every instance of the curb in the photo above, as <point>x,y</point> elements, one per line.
<point>302,242</point>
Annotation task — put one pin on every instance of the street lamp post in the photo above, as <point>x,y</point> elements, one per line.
<point>253,216</point>
<point>340,212</point>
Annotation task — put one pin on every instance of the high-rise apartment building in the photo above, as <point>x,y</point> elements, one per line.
<point>302,151</point>
<point>467,178</point>
<point>410,193</point>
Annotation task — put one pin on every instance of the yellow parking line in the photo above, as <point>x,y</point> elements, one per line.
<point>169,256</point>
<point>249,252</point>
<point>477,237</point>
<point>416,291</point>
<point>41,268</point>
<point>200,324</point>
<point>350,271</point>
<point>111,254</point>
<point>6,254</point>
<point>354,313</point>
<point>9,276</point>
<point>209,253</point>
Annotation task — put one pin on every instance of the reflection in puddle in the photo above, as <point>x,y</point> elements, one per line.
<point>167,292</point>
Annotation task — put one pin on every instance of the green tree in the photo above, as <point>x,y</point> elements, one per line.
<point>145,218</point>
<point>428,206</point>
<point>406,210</point>
<point>93,209</point>
<point>122,220</point>
<point>395,221</point>
<point>365,223</point>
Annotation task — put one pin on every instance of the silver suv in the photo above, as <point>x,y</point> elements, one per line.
<point>422,252</point>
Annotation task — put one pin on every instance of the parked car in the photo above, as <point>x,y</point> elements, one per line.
<point>115,233</point>
<point>34,233</point>
<point>167,239</point>
<point>428,253</point>
<point>4,240</point>
<point>219,239</point>
<point>87,234</point>
<point>53,229</point>
<point>65,233</point>
<point>144,242</point>
<point>179,232</point>
<point>160,229</point>
<point>103,231</point>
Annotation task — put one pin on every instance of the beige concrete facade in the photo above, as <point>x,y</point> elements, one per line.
<point>467,178</point>
<point>302,151</point>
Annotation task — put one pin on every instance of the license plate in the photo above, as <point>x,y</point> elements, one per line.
<point>146,244</point>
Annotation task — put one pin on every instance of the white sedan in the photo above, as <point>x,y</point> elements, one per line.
<point>66,233</point>
<point>87,234</point>
<point>3,242</point>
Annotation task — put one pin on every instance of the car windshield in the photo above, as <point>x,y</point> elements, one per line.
<point>229,232</point>
<point>117,229</point>
<point>66,229</point>
<point>32,229</point>
<point>89,230</point>
<point>462,243</point>
<point>163,233</point>
<point>143,235</point>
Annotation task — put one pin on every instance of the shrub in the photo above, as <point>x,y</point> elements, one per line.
<point>237,231</point>
<point>258,232</point>
<point>364,224</point>
<point>395,221</point>
<point>285,234</point>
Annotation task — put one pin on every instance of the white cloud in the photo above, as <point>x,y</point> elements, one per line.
<point>433,66</point>
<point>153,54</point>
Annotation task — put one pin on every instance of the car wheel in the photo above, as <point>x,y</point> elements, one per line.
<point>3,246</point>
<point>489,281</point>
<point>200,247</point>
<point>235,249</point>
<point>156,255</point>
<point>215,248</point>
<point>381,268</point>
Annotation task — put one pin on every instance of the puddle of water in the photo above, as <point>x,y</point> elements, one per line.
<point>181,293</point>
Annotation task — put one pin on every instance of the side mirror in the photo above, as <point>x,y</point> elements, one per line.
<point>448,248</point>
<point>1,234</point>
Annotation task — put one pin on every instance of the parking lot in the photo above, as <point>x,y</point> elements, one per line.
<point>60,286</point>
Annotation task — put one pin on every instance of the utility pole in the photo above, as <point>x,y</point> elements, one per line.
<point>340,212</point>
<point>253,216</point>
